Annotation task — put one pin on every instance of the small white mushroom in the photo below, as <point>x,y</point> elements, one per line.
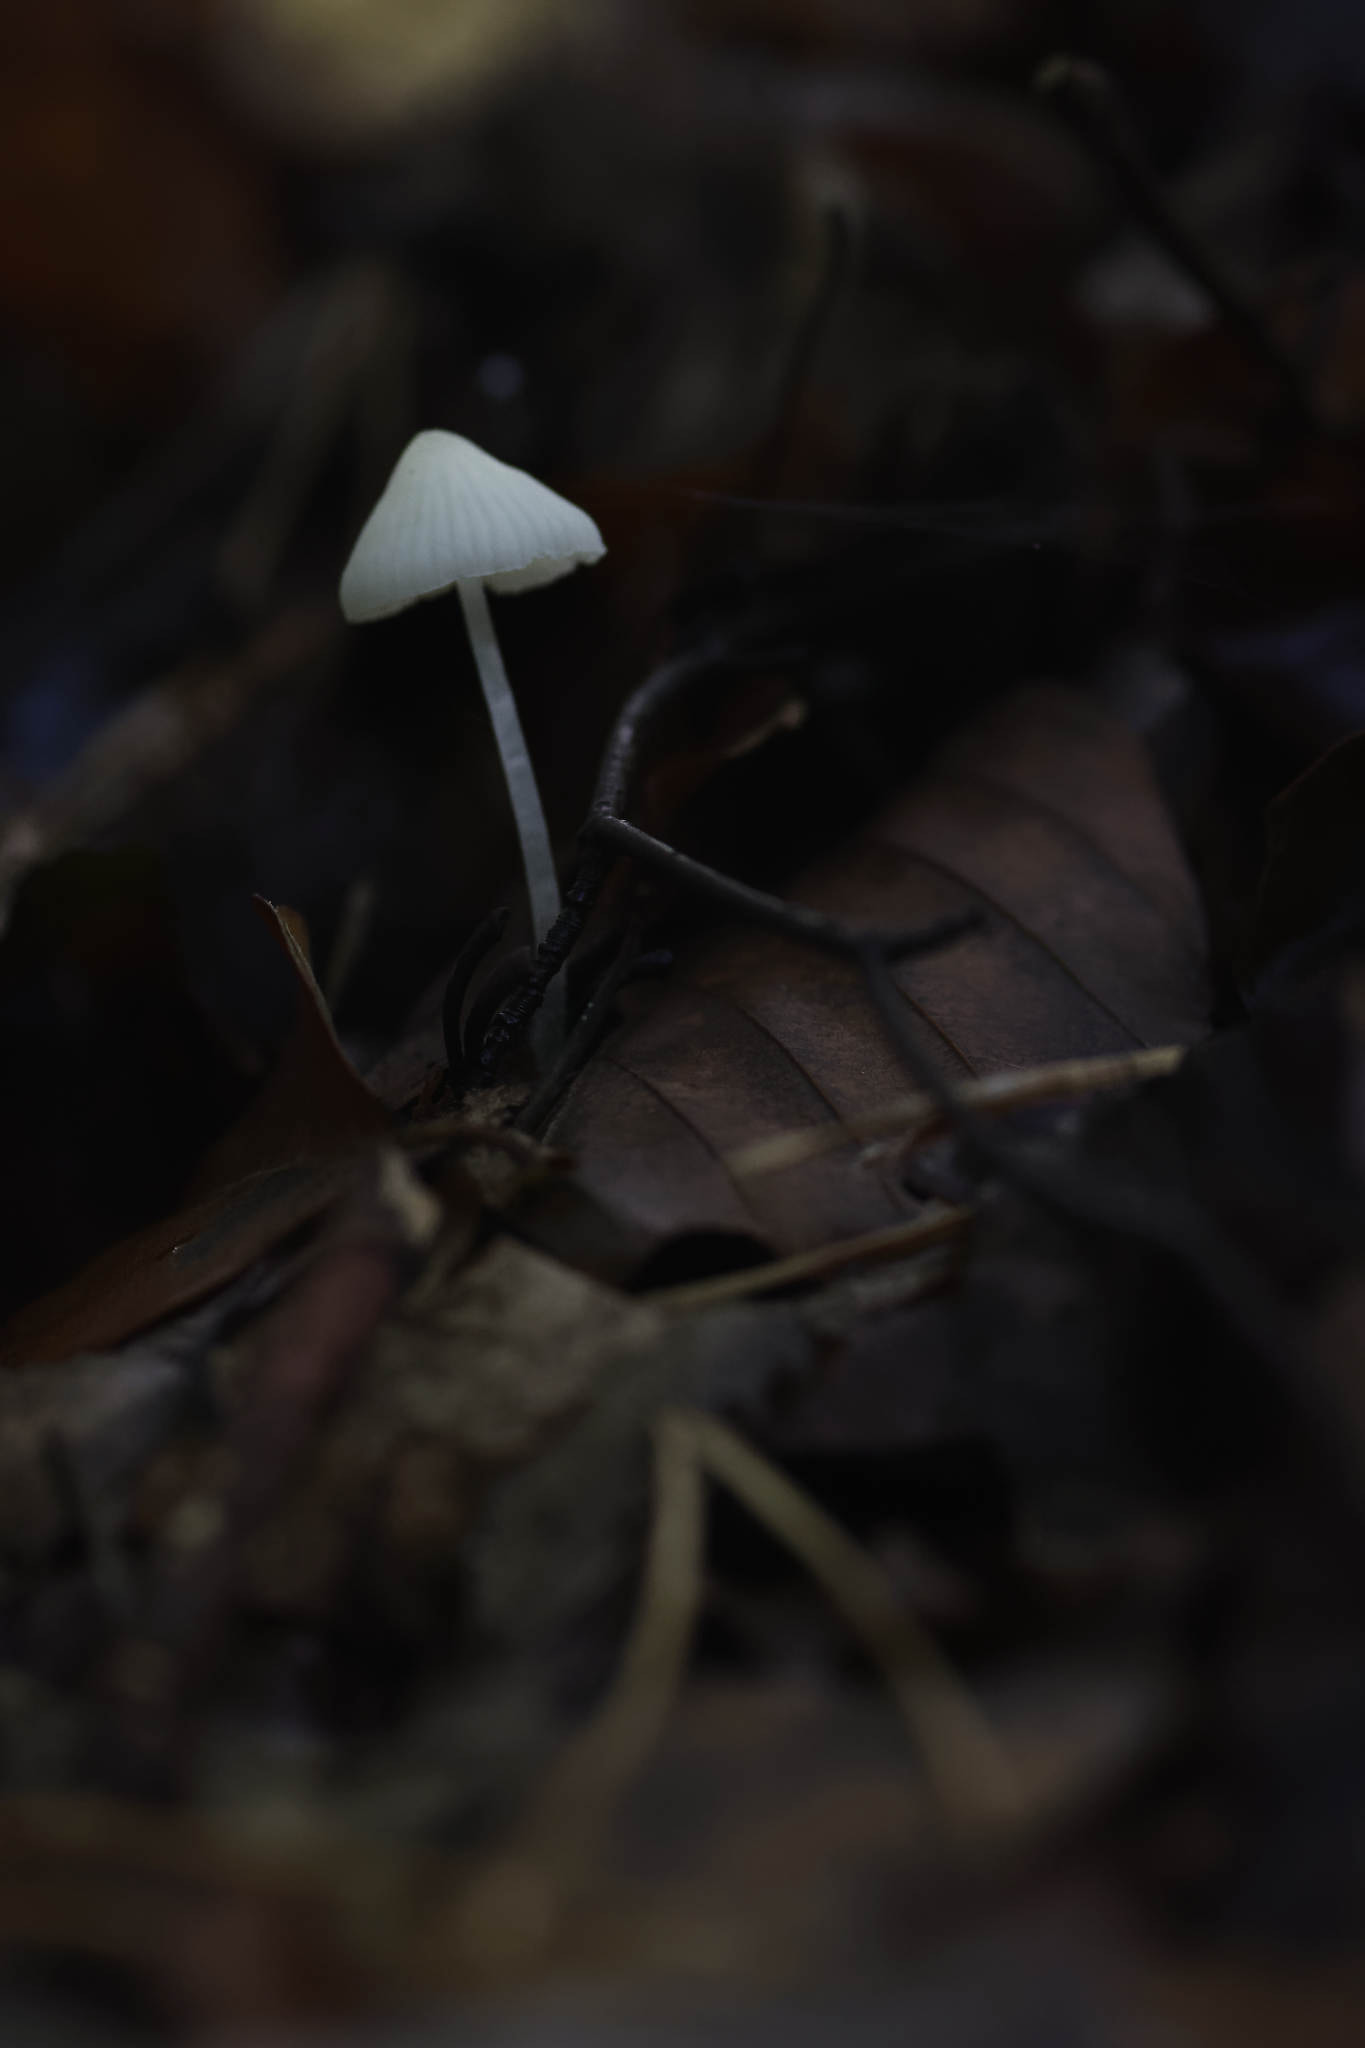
<point>455,518</point>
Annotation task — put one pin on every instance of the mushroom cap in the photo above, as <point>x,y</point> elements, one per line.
<point>451,513</point>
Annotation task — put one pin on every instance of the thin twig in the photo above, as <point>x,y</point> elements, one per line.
<point>919,1116</point>
<point>470,958</point>
<point>610,1750</point>
<point>938,1225</point>
<point>585,1036</point>
<point>1091,1199</point>
<point>608,833</point>
<point>1085,1197</point>
<point>512,1908</point>
<point>637,718</point>
<point>509,1025</point>
<point>790,920</point>
<point>547,1857</point>
<point>967,1768</point>
<point>440,1131</point>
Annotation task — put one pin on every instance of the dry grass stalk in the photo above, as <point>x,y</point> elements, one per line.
<point>918,1116</point>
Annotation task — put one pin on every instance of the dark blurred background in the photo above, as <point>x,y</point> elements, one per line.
<point>812,303</point>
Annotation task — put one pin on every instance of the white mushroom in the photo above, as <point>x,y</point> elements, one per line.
<point>454,517</point>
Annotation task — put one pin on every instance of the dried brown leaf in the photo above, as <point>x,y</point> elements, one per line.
<point>294,1152</point>
<point>1044,816</point>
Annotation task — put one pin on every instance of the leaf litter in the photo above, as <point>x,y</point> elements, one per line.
<point>861,1470</point>
<point>1045,818</point>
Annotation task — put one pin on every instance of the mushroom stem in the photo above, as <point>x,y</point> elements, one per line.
<point>542,882</point>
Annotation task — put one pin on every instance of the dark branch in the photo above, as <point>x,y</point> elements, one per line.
<point>608,834</point>
<point>583,1039</point>
<point>790,920</point>
<point>468,961</point>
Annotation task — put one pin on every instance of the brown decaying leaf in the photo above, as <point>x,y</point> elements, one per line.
<point>295,1151</point>
<point>314,1103</point>
<point>1043,815</point>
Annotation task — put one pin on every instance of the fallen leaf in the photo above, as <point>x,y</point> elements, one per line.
<point>1044,816</point>
<point>296,1150</point>
<point>314,1103</point>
